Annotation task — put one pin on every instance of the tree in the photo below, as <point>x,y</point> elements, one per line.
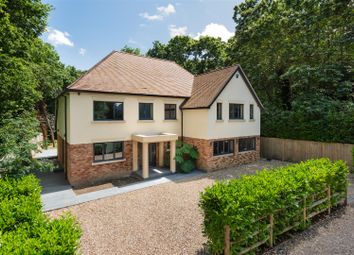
<point>131,50</point>
<point>22,81</point>
<point>289,48</point>
<point>299,55</point>
<point>196,55</point>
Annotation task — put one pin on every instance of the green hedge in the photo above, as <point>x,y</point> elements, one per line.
<point>241,202</point>
<point>24,229</point>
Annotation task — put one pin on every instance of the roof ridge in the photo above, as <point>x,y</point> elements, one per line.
<point>216,70</point>
<point>93,67</point>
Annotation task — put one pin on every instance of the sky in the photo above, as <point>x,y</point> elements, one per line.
<point>84,31</point>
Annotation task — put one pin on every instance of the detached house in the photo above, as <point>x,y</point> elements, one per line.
<point>126,113</point>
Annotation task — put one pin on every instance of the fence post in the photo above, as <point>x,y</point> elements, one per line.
<point>227,245</point>
<point>329,199</point>
<point>271,227</point>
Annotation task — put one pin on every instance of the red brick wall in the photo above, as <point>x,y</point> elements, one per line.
<point>208,162</point>
<point>82,170</point>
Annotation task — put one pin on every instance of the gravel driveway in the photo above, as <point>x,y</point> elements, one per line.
<point>166,219</point>
<point>163,219</point>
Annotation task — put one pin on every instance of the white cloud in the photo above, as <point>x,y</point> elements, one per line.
<point>174,31</point>
<point>216,30</point>
<point>161,12</point>
<point>146,15</point>
<point>168,10</point>
<point>82,51</point>
<point>57,37</point>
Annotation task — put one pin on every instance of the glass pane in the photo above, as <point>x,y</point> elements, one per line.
<point>118,111</point>
<point>98,151</point>
<point>109,151</point>
<point>118,150</point>
<point>145,111</point>
<point>107,110</point>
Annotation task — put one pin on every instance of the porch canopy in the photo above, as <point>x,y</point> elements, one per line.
<point>159,138</point>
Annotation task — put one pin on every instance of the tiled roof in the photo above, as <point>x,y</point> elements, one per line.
<point>130,74</point>
<point>206,87</point>
<point>125,73</point>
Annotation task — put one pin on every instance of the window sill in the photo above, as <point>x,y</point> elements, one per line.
<point>171,120</point>
<point>237,120</point>
<point>253,120</point>
<point>108,162</point>
<point>146,121</point>
<point>223,155</point>
<point>220,121</point>
<point>107,121</point>
<point>243,152</point>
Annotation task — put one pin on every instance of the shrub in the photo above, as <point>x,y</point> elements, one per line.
<point>24,229</point>
<point>241,202</point>
<point>186,155</point>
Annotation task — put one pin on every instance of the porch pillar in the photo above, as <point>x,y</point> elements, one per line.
<point>145,160</point>
<point>161,154</point>
<point>172,156</point>
<point>135,156</point>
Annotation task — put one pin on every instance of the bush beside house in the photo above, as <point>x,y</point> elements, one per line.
<point>24,229</point>
<point>240,203</point>
<point>186,156</point>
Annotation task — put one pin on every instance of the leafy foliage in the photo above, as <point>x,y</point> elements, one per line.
<point>195,55</point>
<point>131,50</point>
<point>186,155</point>
<point>315,118</point>
<point>241,202</point>
<point>295,53</point>
<point>31,76</point>
<point>24,229</point>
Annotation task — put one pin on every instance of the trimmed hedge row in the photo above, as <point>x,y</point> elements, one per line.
<point>24,229</point>
<point>240,203</point>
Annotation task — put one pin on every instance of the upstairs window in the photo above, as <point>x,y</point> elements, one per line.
<point>251,112</point>
<point>247,144</point>
<point>146,111</point>
<point>170,112</point>
<point>107,151</point>
<point>235,111</point>
<point>107,110</point>
<point>223,147</point>
<point>219,111</point>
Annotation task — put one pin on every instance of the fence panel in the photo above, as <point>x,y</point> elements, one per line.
<point>299,150</point>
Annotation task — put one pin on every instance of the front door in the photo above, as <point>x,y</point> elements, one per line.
<point>152,154</point>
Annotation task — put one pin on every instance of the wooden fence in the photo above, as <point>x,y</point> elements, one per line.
<point>299,150</point>
<point>310,207</point>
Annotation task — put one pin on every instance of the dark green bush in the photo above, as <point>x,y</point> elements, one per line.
<point>241,202</point>
<point>186,155</point>
<point>24,229</point>
<point>316,119</point>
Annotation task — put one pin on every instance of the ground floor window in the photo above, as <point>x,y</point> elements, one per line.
<point>108,151</point>
<point>223,147</point>
<point>247,144</point>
